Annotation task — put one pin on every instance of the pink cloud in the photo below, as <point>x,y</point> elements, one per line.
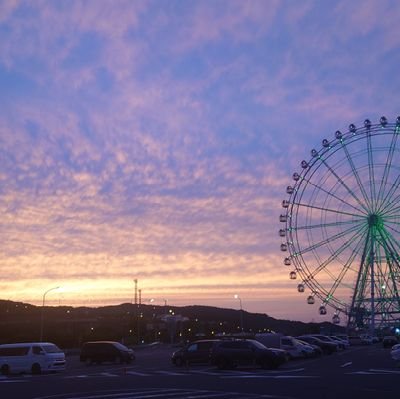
<point>241,20</point>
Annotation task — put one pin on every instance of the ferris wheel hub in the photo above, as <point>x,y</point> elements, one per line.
<point>375,220</point>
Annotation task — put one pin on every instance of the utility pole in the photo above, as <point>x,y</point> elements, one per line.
<point>136,290</point>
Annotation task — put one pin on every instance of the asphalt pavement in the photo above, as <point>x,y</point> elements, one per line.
<point>359,372</point>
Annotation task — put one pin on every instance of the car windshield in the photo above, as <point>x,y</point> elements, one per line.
<point>258,345</point>
<point>120,346</point>
<point>324,338</point>
<point>50,348</point>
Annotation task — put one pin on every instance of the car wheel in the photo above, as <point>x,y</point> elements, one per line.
<point>118,360</point>
<point>88,361</point>
<point>178,362</point>
<point>5,369</point>
<point>222,363</point>
<point>271,364</point>
<point>36,369</point>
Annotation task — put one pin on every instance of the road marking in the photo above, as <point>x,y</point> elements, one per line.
<point>386,371</point>
<point>296,376</point>
<point>376,372</point>
<point>362,373</point>
<point>162,393</point>
<point>346,364</point>
<point>204,372</point>
<point>288,370</point>
<point>131,372</point>
<point>169,372</point>
<point>109,375</point>
<point>277,377</point>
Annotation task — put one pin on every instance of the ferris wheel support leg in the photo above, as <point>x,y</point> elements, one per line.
<point>358,287</point>
<point>372,260</point>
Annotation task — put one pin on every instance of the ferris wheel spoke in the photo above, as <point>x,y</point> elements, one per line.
<point>388,166</point>
<point>391,228</point>
<point>356,250</point>
<point>323,225</point>
<point>355,173</point>
<point>336,253</point>
<point>392,212</point>
<point>388,201</point>
<point>329,240</point>
<point>361,217</point>
<point>391,207</point>
<point>389,240</point>
<point>371,171</point>
<point>320,187</point>
<point>344,185</point>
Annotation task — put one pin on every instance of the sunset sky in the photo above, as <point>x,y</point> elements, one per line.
<point>155,140</point>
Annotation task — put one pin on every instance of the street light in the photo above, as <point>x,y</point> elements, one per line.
<point>42,317</point>
<point>236,296</point>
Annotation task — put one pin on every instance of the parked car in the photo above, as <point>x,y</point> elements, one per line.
<point>342,343</point>
<point>233,353</point>
<point>311,349</point>
<point>395,352</point>
<point>343,337</point>
<point>366,339</point>
<point>375,339</point>
<point>356,340</point>
<point>31,357</point>
<point>389,340</point>
<point>327,347</point>
<point>195,352</point>
<point>280,341</point>
<point>295,349</point>
<point>106,351</point>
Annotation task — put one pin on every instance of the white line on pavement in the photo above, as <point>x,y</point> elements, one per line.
<point>131,372</point>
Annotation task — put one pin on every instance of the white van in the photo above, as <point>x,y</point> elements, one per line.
<point>289,344</point>
<point>31,357</point>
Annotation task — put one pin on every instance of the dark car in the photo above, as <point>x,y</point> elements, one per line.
<point>327,347</point>
<point>106,351</point>
<point>316,350</point>
<point>340,345</point>
<point>389,340</point>
<point>233,353</point>
<point>195,352</point>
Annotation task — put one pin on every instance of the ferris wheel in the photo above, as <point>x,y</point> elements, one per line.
<point>340,226</point>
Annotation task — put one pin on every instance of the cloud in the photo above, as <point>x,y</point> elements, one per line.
<point>157,141</point>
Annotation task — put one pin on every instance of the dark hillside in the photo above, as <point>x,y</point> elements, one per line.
<point>133,324</point>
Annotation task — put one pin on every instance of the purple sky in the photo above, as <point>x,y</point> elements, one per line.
<point>155,140</point>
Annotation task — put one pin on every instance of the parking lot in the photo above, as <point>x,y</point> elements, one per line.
<point>365,370</point>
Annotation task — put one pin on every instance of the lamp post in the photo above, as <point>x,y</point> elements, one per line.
<point>42,316</point>
<point>236,296</point>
